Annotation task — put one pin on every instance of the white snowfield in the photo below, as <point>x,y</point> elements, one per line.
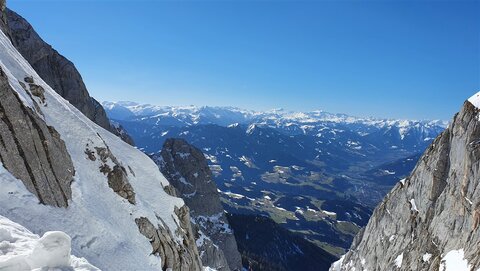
<point>100,222</point>
<point>22,250</point>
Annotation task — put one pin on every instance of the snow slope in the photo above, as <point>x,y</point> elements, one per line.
<point>22,250</point>
<point>100,222</point>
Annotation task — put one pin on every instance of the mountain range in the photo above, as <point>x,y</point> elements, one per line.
<point>126,186</point>
<point>316,173</point>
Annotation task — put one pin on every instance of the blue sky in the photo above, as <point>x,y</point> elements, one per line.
<point>381,58</point>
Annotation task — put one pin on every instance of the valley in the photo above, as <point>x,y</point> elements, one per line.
<point>317,174</point>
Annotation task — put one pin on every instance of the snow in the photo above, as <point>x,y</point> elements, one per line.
<point>182,180</point>
<point>280,208</point>
<point>214,220</point>
<point>97,218</point>
<point>388,172</point>
<point>190,195</point>
<point>414,206</point>
<point>336,266</point>
<point>201,239</point>
<point>233,195</point>
<point>22,250</point>
<point>475,100</point>
<point>399,260</point>
<point>426,257</point>
<point>247,161</point>
<point>454,261</point>
<point>329,213</point>
<point>183,155</point>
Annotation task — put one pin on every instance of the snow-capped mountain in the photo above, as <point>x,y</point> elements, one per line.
<point>61,171</point>
<point>314,172</point>
<point>430,220</point>
<point>294,122</point>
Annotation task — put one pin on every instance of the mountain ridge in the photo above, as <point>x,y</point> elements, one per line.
<point>315,173</point>
<point>430,220</point>
<point>149,110</point>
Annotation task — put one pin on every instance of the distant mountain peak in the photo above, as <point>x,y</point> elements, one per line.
<point>243,116</point>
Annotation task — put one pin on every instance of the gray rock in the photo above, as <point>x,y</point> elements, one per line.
<point>187,170</point>
<point>174,256</point>
<point>3,18</point>
<point>32,151</point>
<point>117,176</point>
<point>57,71</point>
<point>118,181</point>
<point>434,211</point>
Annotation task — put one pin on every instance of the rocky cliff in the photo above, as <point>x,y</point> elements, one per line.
<point>32,151</point>
<point>430,220</point>
<point>187,171</point>
<point>61,171</point>
<point>57,71</point>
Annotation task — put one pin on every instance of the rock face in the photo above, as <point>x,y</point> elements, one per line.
<point>186,169</point>
<point>431,217</point>
<point>31,150</point>
<point>174,256</point>
<point>57,71</point>
<point>3,18</point>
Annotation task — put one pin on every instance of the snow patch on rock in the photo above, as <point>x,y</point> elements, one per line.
<point>399,260</point>
<point>454,261</point>
<point>475,100</point>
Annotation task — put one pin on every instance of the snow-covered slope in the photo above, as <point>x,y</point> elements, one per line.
<point>102,222</point>
<point>20,249</point>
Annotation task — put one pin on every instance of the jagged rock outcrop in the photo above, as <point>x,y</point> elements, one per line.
<point>32,151</point>
<point>429,221</point>
<point>187,170</point>
<point>57,71</point>
<point>174,256</point>
<point>116,174</point>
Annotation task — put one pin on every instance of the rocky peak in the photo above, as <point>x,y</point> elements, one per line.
<point>430,220</point>
<point>187,171</point>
